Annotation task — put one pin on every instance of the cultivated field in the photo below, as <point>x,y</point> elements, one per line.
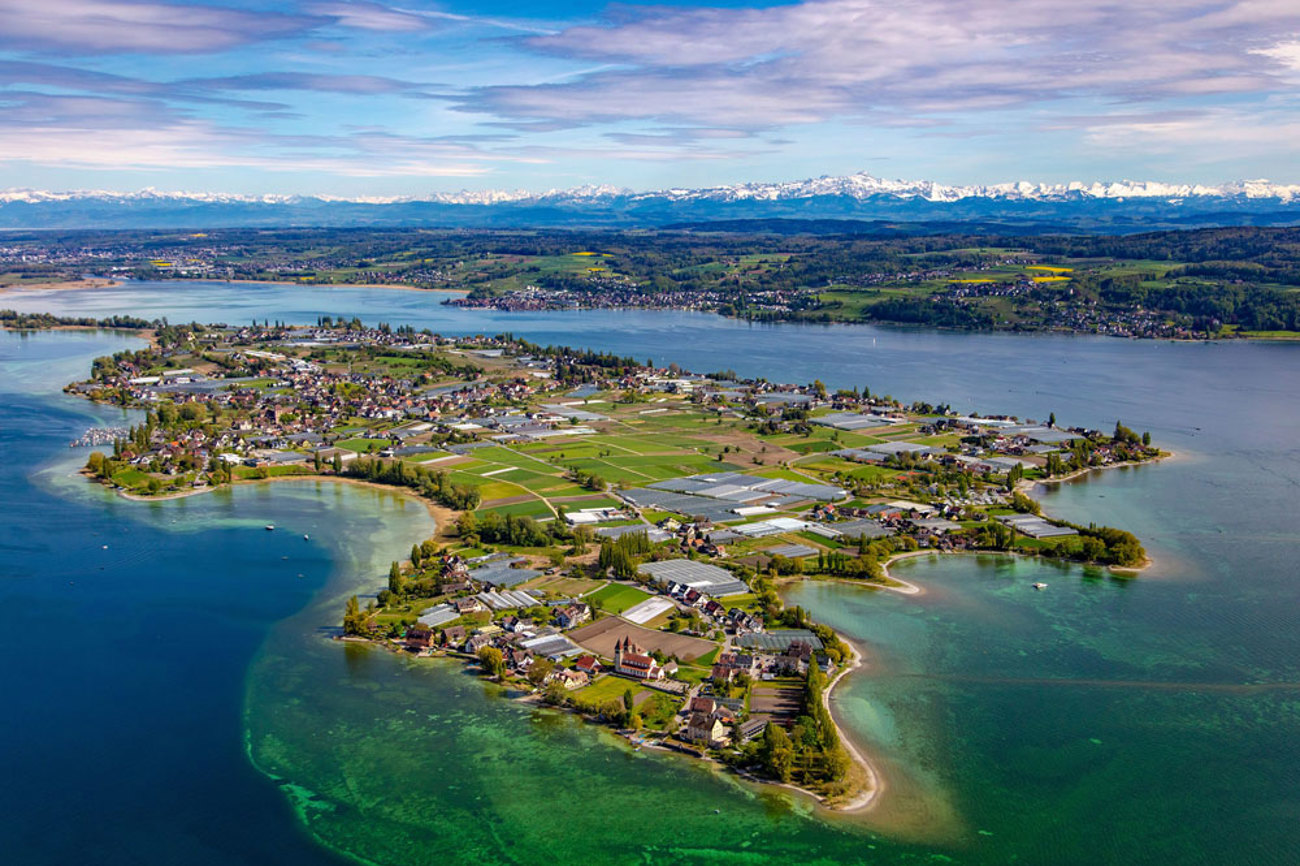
<point>779,703</point>
<point>599,637</point>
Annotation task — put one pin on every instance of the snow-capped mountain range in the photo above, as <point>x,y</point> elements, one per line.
<point>861,187</point>
<point>1118,205</point>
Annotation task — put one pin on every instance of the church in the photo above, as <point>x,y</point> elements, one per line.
<point>632,661</point>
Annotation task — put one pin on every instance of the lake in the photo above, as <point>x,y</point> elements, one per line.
<point>177,701</point>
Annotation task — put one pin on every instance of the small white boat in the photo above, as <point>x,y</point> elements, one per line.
<point>1040,586</point>
<point>306,537</point>
<point>270,526</point>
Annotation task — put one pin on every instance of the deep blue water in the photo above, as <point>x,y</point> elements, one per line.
<point>128,631</point>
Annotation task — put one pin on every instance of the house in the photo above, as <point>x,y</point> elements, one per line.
<point>572,615</point>
<point>454,636</point>
<point>516,624</point>
<point>588,665</point>
<point>631,661</point>
<point>468,605</point>
<point>419,637</point>
<point>706,730</point>
<point>477,642</point>
<point>701,704</point>
<point>570,679</point>
<point>795,659</point>
<point>751,729</point>
<point>519,660</point>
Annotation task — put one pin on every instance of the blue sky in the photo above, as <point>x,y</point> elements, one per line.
<point>410,96</point>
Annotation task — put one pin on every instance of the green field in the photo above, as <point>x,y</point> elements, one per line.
<point>535,508</point>
<point>617,598</point>
<point>364,445</point>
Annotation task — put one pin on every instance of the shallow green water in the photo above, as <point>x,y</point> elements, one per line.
<point>1063,725</point>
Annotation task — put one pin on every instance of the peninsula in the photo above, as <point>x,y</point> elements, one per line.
<point>612,533</point>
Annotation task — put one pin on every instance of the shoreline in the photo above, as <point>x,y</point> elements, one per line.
<point>61,286</point>
<point>107,282</point>
<point>1024,485</point>
<point>874,784</point>
<point>442,516</point>
<point>302,285</point>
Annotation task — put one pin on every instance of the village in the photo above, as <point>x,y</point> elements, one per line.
<point>612,535</point>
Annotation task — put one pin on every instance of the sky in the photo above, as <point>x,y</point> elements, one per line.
<point>357,98</point>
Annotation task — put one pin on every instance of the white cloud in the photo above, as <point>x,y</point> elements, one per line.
<point>815,61</point>
<point>119,26</point>
<point>370,16</point>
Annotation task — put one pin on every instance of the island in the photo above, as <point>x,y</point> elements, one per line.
<point>613,534</point>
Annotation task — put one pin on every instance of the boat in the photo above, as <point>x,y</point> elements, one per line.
<point>270,526</point>
<point>1040,586</point>
<point>306,537</point>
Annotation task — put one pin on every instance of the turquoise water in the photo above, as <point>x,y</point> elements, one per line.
<point>1098,721</point>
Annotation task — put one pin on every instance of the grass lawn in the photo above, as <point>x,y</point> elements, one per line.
<point>362,444</point>
<point>782,474</point>
<point>568,587</point>
<point>609,686</point>
<point>617,598</point>
<point>131,478</point>
<point>533,508</point>
<point>428,456</point>
<point>658,709</point>
<point>707,659</point>
<point>596,501</point>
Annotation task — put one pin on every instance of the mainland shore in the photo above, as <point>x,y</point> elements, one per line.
<point>60,286</point>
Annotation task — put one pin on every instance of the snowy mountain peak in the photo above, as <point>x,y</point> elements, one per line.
<point>860,187</point>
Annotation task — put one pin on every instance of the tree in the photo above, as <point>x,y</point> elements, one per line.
<point>540,670</point>
<point>354,619</point>
<point>493,662</point>
<point>629,700</point>
<point>777,752</point>
<point>338,463</point>
<point>396,585</point>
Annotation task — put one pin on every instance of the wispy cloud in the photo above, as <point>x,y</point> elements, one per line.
<point>123,27</point>
<point>815,61</point>
<point>433,88</point>
<point>371,16</point>
<point>308,81</point>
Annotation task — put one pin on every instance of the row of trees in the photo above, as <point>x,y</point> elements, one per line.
<point>36,321</point>
<point>811,754</point>
<point>619,554</point>
<point>432,485</point>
